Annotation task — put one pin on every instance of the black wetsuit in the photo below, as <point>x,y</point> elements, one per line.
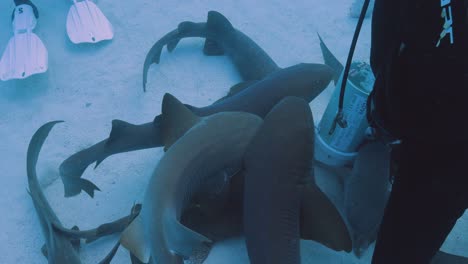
<point>421,97</point>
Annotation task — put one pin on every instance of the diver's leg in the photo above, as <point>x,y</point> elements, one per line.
<point>421,212</point>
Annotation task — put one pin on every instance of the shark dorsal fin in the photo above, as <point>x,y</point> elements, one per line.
<point>118,128</point>
<point>331,60</point>
<point>218,23</point>
<point>176,119</point>
<point>133,239</point>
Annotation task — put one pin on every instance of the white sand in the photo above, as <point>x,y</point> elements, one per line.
<point>89,85</point>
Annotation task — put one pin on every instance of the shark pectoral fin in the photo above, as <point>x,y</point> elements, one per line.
<point>176,119</point>
<point>321,221</point>
<point>171,45</point>
<point>180,239</point>
<point>44,251</point>
<point>212,48</point>
<point>133,239</point>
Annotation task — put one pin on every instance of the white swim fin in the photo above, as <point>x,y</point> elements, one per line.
<point>25,53</point>
<point>87,24</point>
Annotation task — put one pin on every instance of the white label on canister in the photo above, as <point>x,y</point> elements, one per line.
<point>354,113</point>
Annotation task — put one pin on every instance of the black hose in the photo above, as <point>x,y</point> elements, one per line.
<point>339,116</point>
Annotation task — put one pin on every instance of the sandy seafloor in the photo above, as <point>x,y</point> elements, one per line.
<point>89,85</point>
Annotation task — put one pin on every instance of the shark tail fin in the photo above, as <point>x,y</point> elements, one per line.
<point>176,119</point>
<point>180,239</point>
<point>133,239</point>
<point>329,229</point>
<point>75,186</point>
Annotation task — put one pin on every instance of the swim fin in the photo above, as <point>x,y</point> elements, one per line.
<point>86,23</point>
<point>25,53</point>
